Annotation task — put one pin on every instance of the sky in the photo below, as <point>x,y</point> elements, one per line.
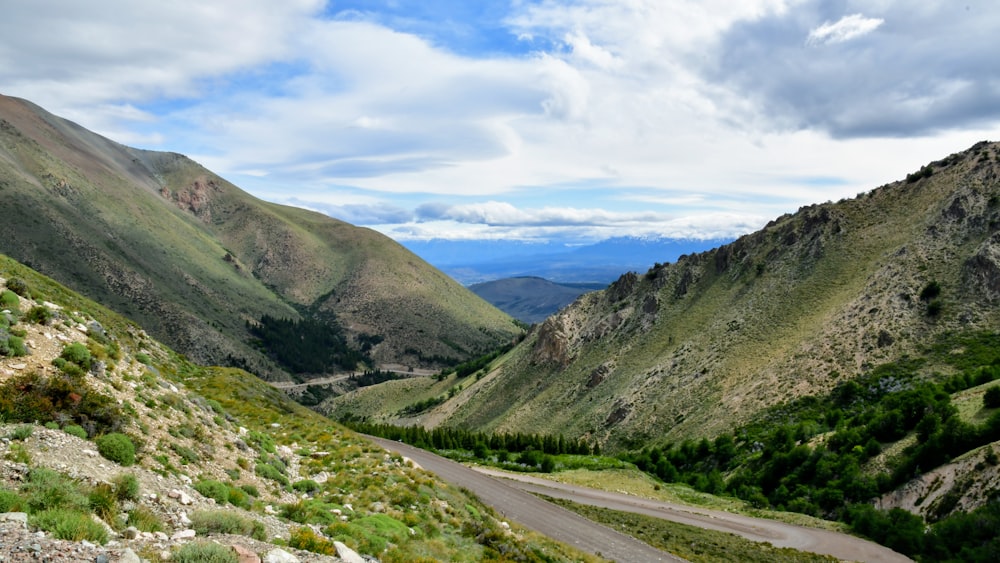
<point>543,120</point>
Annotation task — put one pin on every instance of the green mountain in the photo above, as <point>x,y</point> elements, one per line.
<point>105,431</point>
<point>816,298</point>
<point>530,299</point>
<point>198,262</point>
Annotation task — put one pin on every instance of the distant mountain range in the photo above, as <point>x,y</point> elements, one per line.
<point>476,261</point>
<point>530,299</point>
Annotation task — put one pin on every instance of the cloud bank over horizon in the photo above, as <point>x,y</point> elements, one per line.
<point>538,119</point>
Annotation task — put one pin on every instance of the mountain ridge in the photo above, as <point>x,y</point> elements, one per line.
<point>814,298</point>
<point>161,238</point>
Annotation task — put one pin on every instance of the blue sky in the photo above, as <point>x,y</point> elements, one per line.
<point>529,120</point>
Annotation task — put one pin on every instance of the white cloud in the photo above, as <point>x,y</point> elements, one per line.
<point>844,29</point>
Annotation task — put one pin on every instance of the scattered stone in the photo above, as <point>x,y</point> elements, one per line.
<point>347,554</point>
<point>183,535</point>
<point>279,555</point>
<point>130,533</point>
<point>19,517</point>
<point>129,556</point>
<point>245,555</point>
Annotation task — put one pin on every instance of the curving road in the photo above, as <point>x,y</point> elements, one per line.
<point>532,512</point>
<point>498,489</point>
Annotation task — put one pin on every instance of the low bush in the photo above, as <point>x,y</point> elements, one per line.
<point>307,486</point>
<point>18,286</point>
<point>72,525</point>
<point>34,397</point>
<point>268,471</point>
<point>308,540</point>
<point>104,503</point>
<point>116,447</point>
<point>78,354</point>
<point>991,399</point>
<point>46,489</point>
<point>204,552</point>
<point>10,501</point>
<point>223,522</point>
<point>75,430</point>
<point>11,345</point>
<point>22,432</point>
<point>9,300</point>
<point>39,314</point>
<point>144,520</point>
<point>126,487</point>
<point>214,490</point>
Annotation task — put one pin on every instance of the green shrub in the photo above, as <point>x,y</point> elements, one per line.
<point>126,487</point>
<point>213,489</point>
<point>39,314</point>
<point>104,502</point>
<point>204,552</point>
<point>206,522</point>
<point>307,486</point>
<point>991,399</point>
<point>250,490</point>
<point>11,345</point>
<point>145,520</point>
<point>10,501</point>
<point>116,447</point>
<point>33,397</point>
<point>238,497</point>
<point>18,453</point>
<point>75,430</point>
<point>9,300</point>
<point>72,525</point>
<point>18,286</point>
<point>52,425</point>
<point>308,540</point>
<point>22,432</point>
<point>142,358</point>
<point>268,471</point>
<point>78,354</point>
<point>46,489</point>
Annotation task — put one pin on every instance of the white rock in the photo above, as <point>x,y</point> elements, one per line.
<point>183,519</point>
<point>278,555</point>
<point>347,554</point>
<point>183,535</point>
<point>129,556</point>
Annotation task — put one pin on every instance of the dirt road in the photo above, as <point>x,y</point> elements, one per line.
<point>498,489</point>
<point>532,512</point>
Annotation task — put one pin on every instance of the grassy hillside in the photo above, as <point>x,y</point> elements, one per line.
<point>213,451</point>
<point>815,298</point>
<point>193,258</point>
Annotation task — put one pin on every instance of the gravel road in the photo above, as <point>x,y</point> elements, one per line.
<point>498,489</point>
<point>532,512</point>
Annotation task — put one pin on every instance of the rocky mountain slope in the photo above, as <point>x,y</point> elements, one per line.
<point>113,447</point>
<point>193,258</point>
<point>815,298</point>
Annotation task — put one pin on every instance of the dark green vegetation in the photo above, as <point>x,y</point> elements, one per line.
<point>814,454</point>
<point>191,257</point>
<point>534,452</point>
<point>693,544</point>
<point>306,346</point>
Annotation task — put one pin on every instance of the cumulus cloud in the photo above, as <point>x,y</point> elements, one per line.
<point>934,72</point>
<point>710,106</point>
<point>844,29</point>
